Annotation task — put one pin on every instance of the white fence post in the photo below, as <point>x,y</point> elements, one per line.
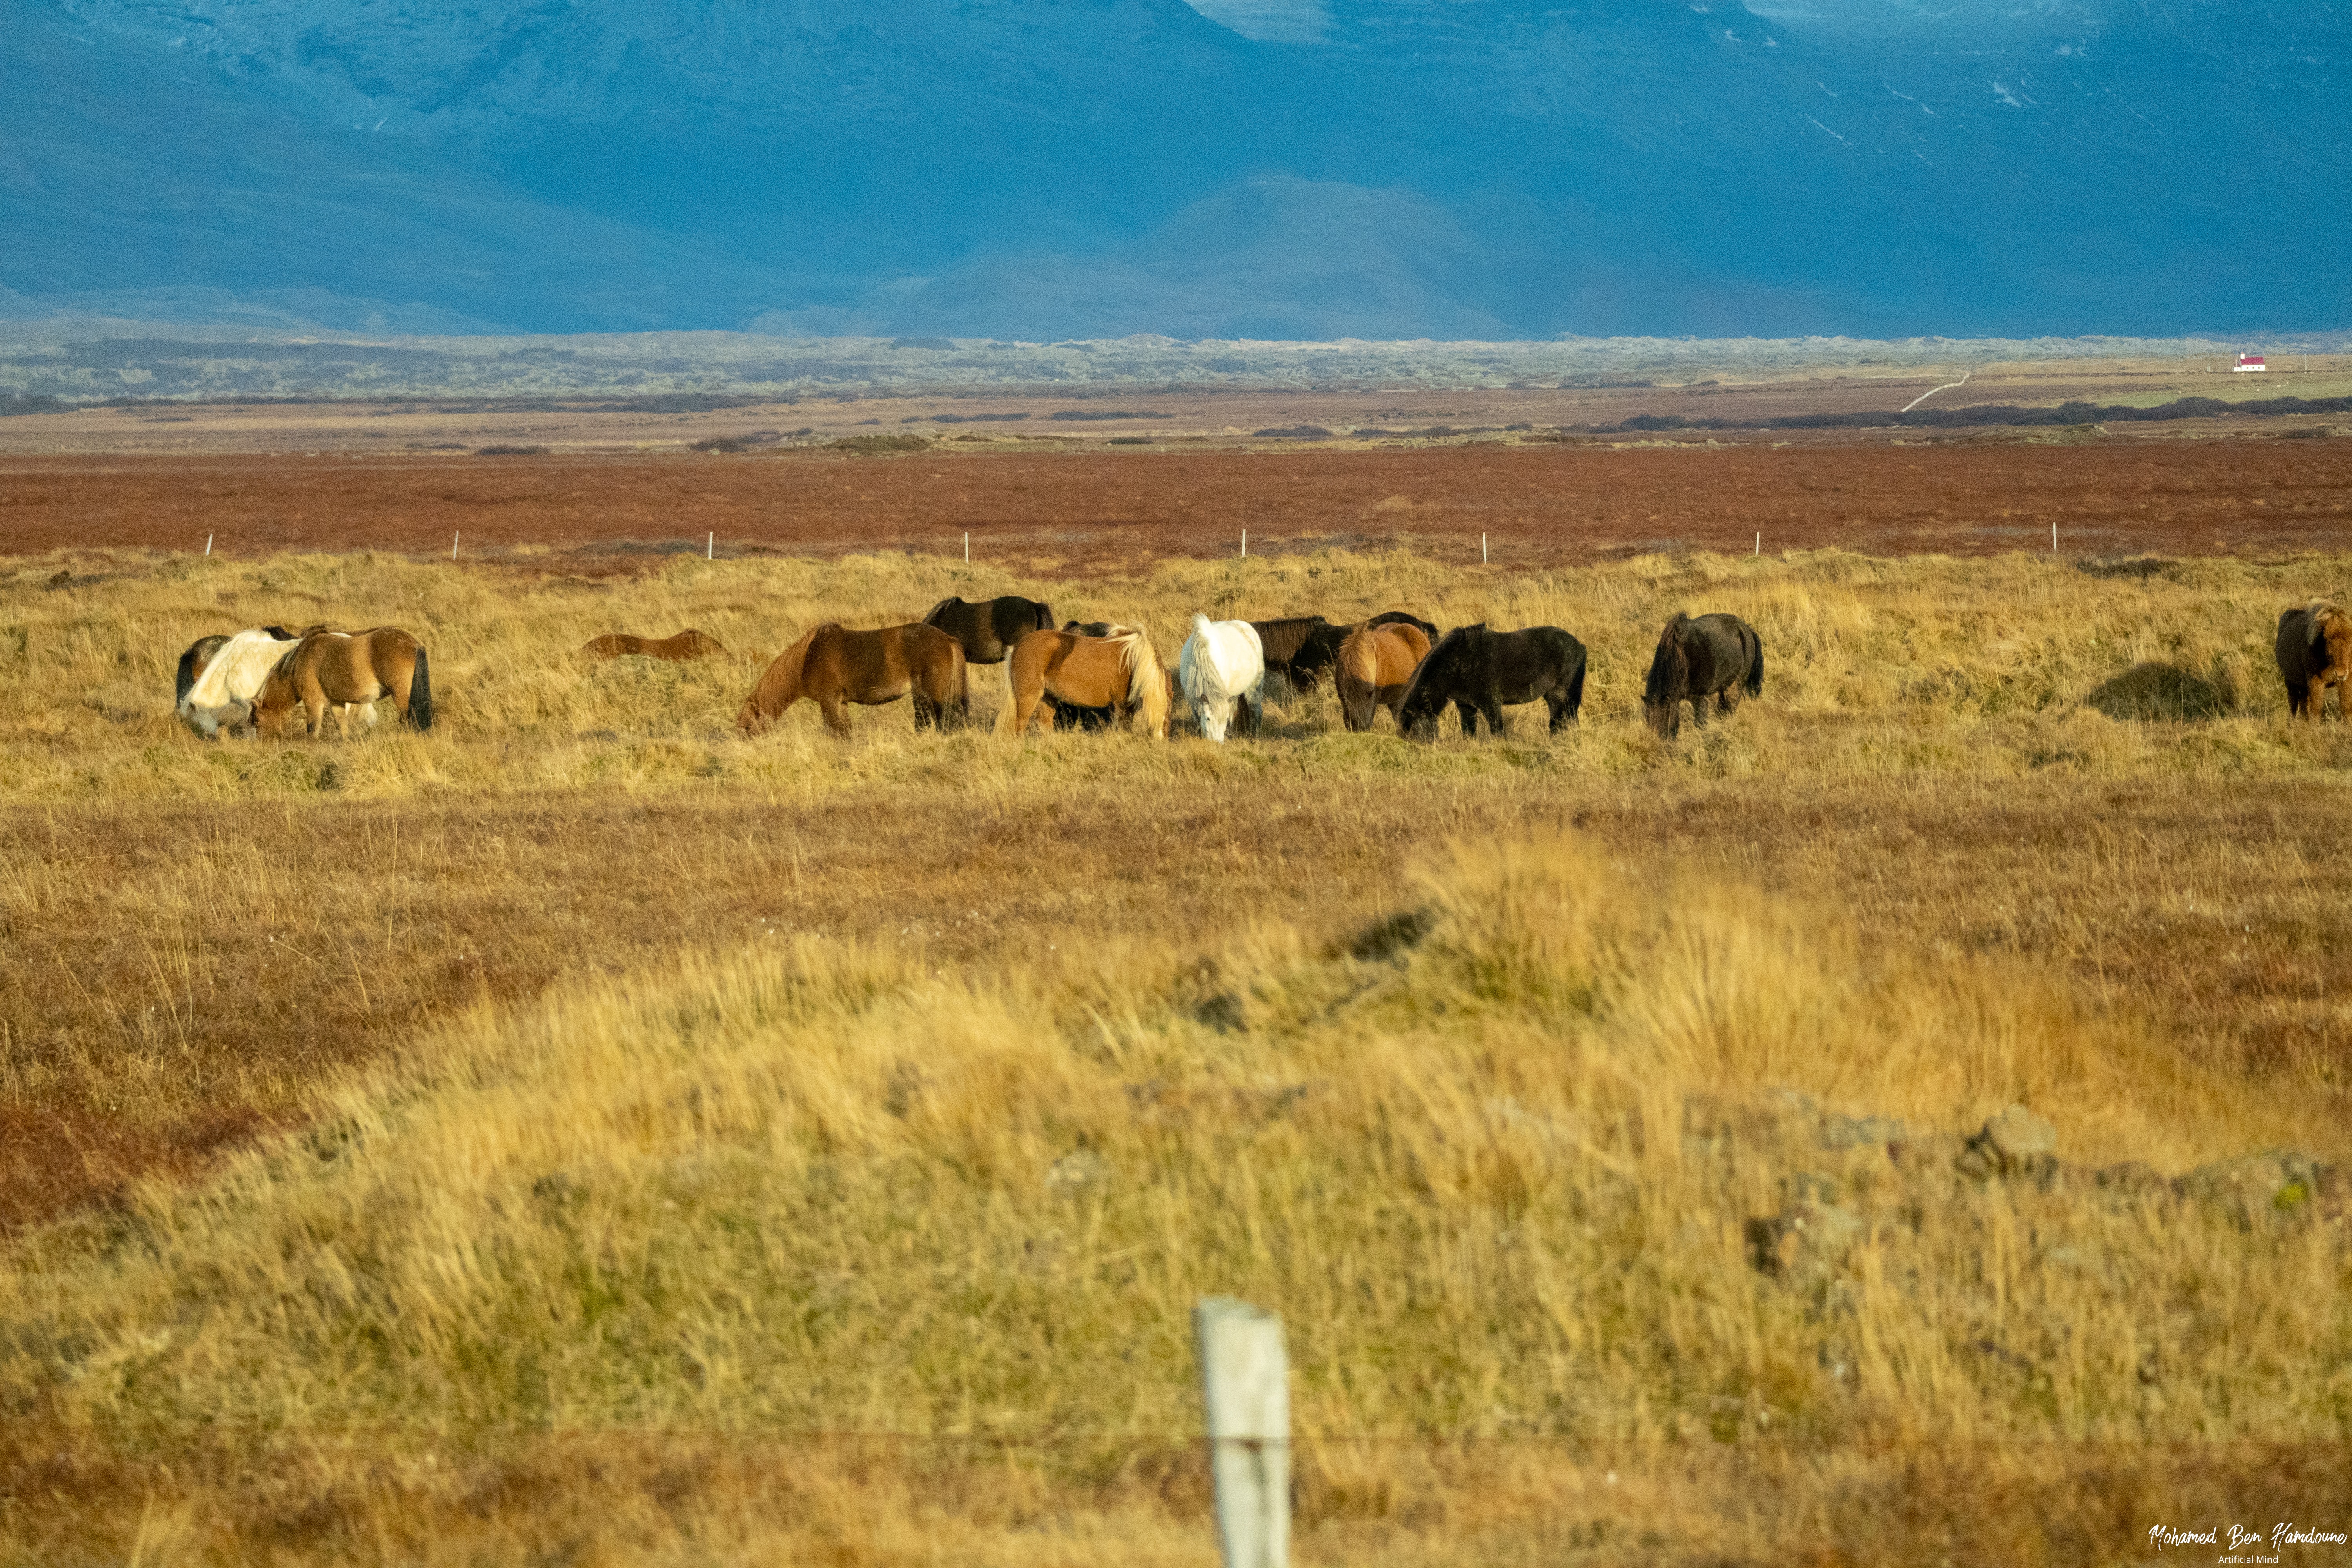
<point>1481,550</point>
<point>1245,1384</point>
<point>967,547</point>
<point>453,547</point>
<point>208,544</point>
<point>1244,543</point>
<point>711,546</point>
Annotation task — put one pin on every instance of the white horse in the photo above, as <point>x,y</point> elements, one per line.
<point>221,695</point>
<point>1223,663</point>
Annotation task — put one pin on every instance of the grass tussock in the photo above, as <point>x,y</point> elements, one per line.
<point>1497,1163</point>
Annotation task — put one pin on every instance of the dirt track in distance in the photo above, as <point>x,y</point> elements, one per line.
<point>1095,512</point>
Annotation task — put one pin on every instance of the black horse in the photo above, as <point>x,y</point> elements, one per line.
<point>1699,657</point>
<point>989,628</point>
<point>1479,670</point>
<point>1405,618</point>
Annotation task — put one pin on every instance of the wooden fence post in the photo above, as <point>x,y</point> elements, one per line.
<point>1245,1384</point>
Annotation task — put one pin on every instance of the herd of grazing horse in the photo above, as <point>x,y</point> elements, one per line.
<point>1091,674</point>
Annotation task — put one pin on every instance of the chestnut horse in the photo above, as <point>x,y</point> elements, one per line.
<point>1119,671</point>
<point>346,671</point>
<point>687,644</point>
<point>832,665</point>
<point>1376,666</point>
<point>2314,652</point>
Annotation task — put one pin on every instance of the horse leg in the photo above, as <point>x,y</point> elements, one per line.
<point>1560,713</point>
<point>924,713</point>
<point>836,715</point>
<point>1492,707</point>
<point>2315,694</point>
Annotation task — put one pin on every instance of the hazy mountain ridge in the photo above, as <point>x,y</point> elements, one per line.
<point>1019,170</point>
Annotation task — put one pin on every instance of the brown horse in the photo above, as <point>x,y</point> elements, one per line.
<point>1119,671</point>
<point>346,671</point>
<point>1376,666</point>
<point>2314,652</point>
<point>688,644</point>
<point>832,665</point>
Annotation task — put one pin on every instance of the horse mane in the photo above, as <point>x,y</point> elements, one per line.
<point>2316,618</point>
<point>1669,678</point>
<point>780,683</point>
<point>932,615</point>
<point>1147,681</point>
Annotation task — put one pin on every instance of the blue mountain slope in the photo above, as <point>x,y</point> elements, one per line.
<point>1048,168</point>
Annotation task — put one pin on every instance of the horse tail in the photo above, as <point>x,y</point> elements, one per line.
<point>420,692</point>
<point>186,680</point>
<point>1755,660</point>
<point>1575,682</point>
<point>1005,715</point>
<point>1147,682</point>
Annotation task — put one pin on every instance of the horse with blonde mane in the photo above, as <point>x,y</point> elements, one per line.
<point>1376,666</point>
<point>687,644</point>
<point>1221,667</point>
<point>832,666</point>
<point>219,675</point>
<point>1119,671</point>
<point>346,671</point>
<point>2314,652</point>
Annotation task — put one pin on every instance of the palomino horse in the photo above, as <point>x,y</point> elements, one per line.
<point>687,644</point>
<point>832,665</point>
<point>345,671</point>
<point>1699,658</point>
<point>1120,670</point>
<point>989,627</point>
<point>2314,652</point>
<point>1376,666</point>
<point>219,675</point>
<point>1222,665</point>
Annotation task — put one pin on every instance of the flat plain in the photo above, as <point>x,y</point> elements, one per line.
<point>811,1150</point>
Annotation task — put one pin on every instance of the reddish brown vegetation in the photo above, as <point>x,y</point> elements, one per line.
<point>1088,512</point>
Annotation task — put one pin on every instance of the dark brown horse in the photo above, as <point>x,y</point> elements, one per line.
<point>1299,648</point>
<point>687,644</point>
<point>989,627</point>
<point>832,665</point>
<point>1376,666</point>
<point>346,671</point>
<point>2314,652</point>
<point>1699,658</point>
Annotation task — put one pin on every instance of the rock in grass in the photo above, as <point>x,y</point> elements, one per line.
<point>2014,1142</point>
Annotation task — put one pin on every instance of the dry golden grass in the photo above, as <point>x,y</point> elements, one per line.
<point>810,1151</point>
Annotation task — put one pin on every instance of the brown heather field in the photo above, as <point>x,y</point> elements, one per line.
<point>584,1135</point>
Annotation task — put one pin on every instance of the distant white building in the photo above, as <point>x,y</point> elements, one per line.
<point>2250,362</point>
